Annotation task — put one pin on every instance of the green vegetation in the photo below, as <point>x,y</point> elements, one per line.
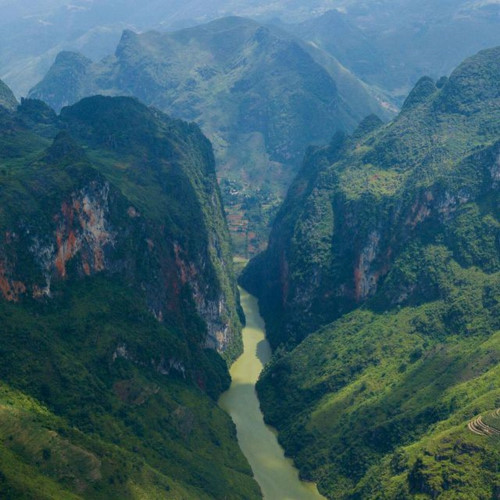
<point>381,294</point>
<point>111,425</point>
<point>118,308</point>
<point>429,175</point>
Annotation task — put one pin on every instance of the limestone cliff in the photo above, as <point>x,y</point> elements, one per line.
<point>381,284</point>
<point>171,243</point>
<point>118,308</point>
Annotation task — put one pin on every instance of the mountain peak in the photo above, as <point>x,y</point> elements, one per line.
<point>369,124</point>
<point>65,77</point>
<point>129,34</point>
<point>424,88</point>
<point>230,22</point>
<point>71,57</point>
<point>36,111</point>
<point>122,122</point>
<point>64,150</point>
<point>127,39</point>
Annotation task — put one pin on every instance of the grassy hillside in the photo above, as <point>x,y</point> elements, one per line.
<point>86,413</point>
<point>387,397</point>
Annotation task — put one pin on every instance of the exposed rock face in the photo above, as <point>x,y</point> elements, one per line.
<point>182,266</point>
<point>495,172</point>
<point>365,281</point>
<point>359,203</point>
<point>10,288</point>
<point>81,228</point>
<point>386,256</point>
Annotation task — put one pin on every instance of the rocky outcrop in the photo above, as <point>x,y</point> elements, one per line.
<point>81,228</point>
<point>386,256</point>
<point>7,99</point>
<point>118,307</point>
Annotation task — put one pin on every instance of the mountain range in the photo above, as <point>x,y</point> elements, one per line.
<point>260,95</point>
<point>36,32</point>
<point>391,44</point>
<point>379,284</point>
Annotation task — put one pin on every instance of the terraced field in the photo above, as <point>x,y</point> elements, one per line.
<point>490,426</point>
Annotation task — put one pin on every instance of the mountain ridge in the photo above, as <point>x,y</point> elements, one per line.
<point>377,42</point>
<point>379,289</point>
<point>414,148</point>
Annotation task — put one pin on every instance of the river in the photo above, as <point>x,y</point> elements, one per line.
<point>276,475</point>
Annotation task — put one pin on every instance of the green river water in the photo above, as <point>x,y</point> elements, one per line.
<point>276,475</point>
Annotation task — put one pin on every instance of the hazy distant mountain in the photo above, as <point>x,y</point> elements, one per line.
<point>33,32</point>
<point>258,93</point>
<point>7,99</point>
<point>392,43</point>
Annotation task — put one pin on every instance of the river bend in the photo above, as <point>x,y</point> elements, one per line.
<point>276,475</point>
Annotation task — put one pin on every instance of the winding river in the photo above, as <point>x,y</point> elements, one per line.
<point>276,475</point>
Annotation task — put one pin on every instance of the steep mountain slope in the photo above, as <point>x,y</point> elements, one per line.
<point>377,404</point>
<point>400,224</point>
<point>117,298</point>
<point>258,94</point>
<point>358,202</point>
<point>393,42</point>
